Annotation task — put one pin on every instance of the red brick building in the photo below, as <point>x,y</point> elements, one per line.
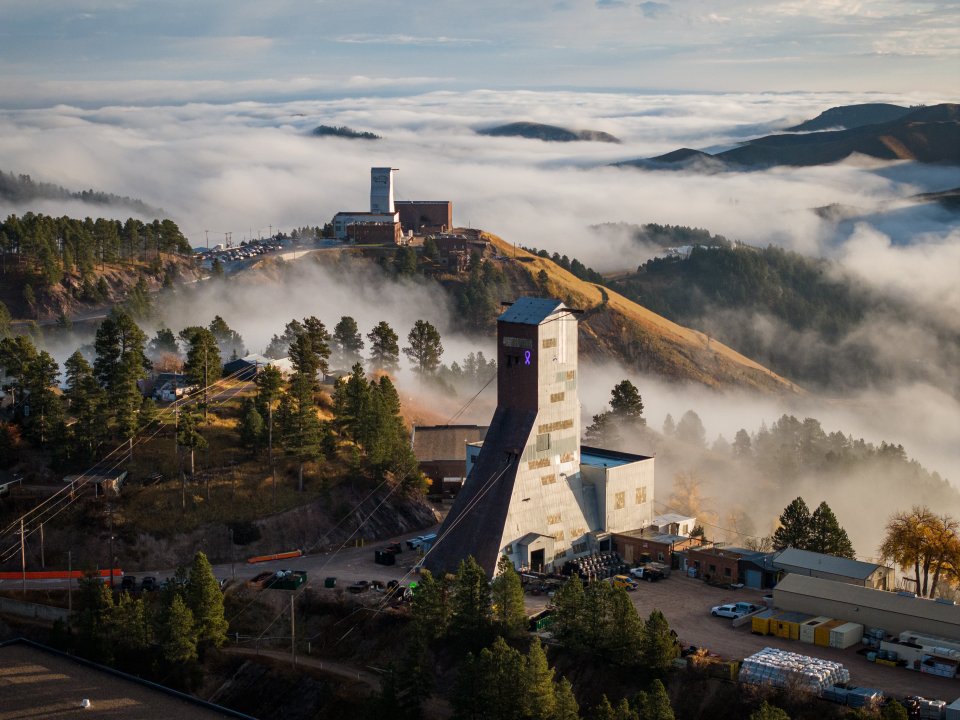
<point>642,546</point>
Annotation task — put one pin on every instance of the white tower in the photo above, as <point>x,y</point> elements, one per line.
<point>381,190</point>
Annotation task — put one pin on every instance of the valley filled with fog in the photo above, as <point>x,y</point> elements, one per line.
<point>253,168</point>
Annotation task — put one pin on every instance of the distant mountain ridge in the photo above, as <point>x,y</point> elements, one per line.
<point>548,133</point>
<point>850,116</point>
<point>924,134</point>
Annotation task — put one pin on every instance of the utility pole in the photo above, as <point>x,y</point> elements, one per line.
<point>23,560</point>
<point>293,631</point>
<point>43,563</point>
<point>110,559</point>
<point>207,234</point>
<point>233,556</point>
<point>70,582</point>
<point>204,388</point>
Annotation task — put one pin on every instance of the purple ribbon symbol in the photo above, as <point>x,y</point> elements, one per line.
<point>526,357</point>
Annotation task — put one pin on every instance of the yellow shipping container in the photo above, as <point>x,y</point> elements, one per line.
<point>760,624</point>
<point>808,629</point>
<point>821,636</point>
<point>787,625</point>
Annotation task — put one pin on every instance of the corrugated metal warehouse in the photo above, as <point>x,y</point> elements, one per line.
<point>830,567</point>
<point>871,608</point>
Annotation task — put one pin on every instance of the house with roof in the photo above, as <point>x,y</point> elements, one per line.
<point>441,451</point>
<point>533,493</point>
<point>651,545</point>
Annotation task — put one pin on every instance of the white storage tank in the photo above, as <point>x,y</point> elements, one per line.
<point>846,635</point>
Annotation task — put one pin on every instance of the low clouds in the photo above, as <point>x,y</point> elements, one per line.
<point>249,167</point>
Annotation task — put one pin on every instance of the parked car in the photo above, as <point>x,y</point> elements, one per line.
<point>148,584</point>
<point>733,610</point>
<point>129,583</point>
<point>624,581</point>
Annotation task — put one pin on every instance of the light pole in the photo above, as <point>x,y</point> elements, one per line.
<point>233,557</point>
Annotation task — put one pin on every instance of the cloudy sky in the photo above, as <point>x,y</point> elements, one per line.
<point>131,50</point>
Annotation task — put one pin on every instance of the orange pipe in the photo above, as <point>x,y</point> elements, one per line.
<point>275,556</point>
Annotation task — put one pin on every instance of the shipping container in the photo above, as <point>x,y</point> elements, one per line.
<point>821,635</point>
<point>760,623</point>
<point>953,710</point>
<point>787,625</point>
<point>846,635</point>
<point>807,634</point>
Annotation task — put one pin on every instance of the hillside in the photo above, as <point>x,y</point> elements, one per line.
<point>925,135</point>
<point>799,316</point>
<point>851,116</point>
<point>548,133</point>
<point>613,327</point>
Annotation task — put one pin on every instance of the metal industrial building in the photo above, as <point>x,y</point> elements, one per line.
<point>388,218</point>
<point>532,492</point>
<point>830,567</point>
<point>893,612</point>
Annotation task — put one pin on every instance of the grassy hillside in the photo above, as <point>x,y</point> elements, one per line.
<point>617,328</point>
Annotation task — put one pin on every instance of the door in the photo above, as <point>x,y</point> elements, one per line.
<point>754,579</point>
<point>537,560</point>
<point>628,553</point>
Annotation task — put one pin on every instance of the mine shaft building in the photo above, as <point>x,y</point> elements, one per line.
<point>533,493</point>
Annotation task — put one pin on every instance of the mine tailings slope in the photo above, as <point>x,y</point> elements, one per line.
<point>616,328</point>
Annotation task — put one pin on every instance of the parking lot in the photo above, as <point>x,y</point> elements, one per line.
<point>686,604</point>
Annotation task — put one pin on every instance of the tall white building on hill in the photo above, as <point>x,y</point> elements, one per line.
<point>533,492</point>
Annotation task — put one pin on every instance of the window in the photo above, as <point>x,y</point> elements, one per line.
<point>543,442</point>
<point>557,397</point>
<point>525,343</point>
<point>508,550</point>
<point>558,535</point>
<point>580,547</point>
<point>566,457</point>
<point>726,571</point>
<point>548,479</point>
<point>620,501</point>
<point>641,495</point>
<point>549,343</point>
<point>713,568</point>
<point>560,555</point>
<point>553,519</point>
<point>659,557</point>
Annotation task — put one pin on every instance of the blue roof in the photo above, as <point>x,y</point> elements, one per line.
<point>598,460</point>
<point>530,310</point>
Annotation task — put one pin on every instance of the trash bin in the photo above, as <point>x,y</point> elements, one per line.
<point>330,582</point>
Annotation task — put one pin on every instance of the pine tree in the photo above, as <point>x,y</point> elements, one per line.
<point>741,444</point>
<point>794,530</point>
<point>655,703</point>
<point>506,592</point>
<point>539,697</point>
<point>178,633</point>
<point>119,364</point>
<point>690,429</point>
<point>205,600</point>
<point>46,410</point>
<point>603,432</point>
<point>767,711</point>
<point>425,347</point>
<point>251,428</point>
<point>626,630</point>
<point>826,534</point>
<point>596,625</point>
<point>623,711</point>
<point>659,648</point>
<point>568,603</point>
<point>228,339</point>
<point>669,428</point>
<point>129,623</point>
<point>319,340</point>
<point>5,318</point>
<point>893,711</point>
<point>566,707</point>
<point>603,710</point>
<point>470,620</point>
<point>431,606</point>
<point>302,431</point>
<point>627,405</point>
<point>347,342</point>
<point>203,366</point>
<point>188,435</point>
<point>384,348</point>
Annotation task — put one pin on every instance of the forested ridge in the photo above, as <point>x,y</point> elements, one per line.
<point>23,188</point>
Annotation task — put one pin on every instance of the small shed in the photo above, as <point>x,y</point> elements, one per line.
<point>441,451</point>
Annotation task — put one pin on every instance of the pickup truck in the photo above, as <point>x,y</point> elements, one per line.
<point>424,541</point>
<point>647,573</point>
<point>733,610</point>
